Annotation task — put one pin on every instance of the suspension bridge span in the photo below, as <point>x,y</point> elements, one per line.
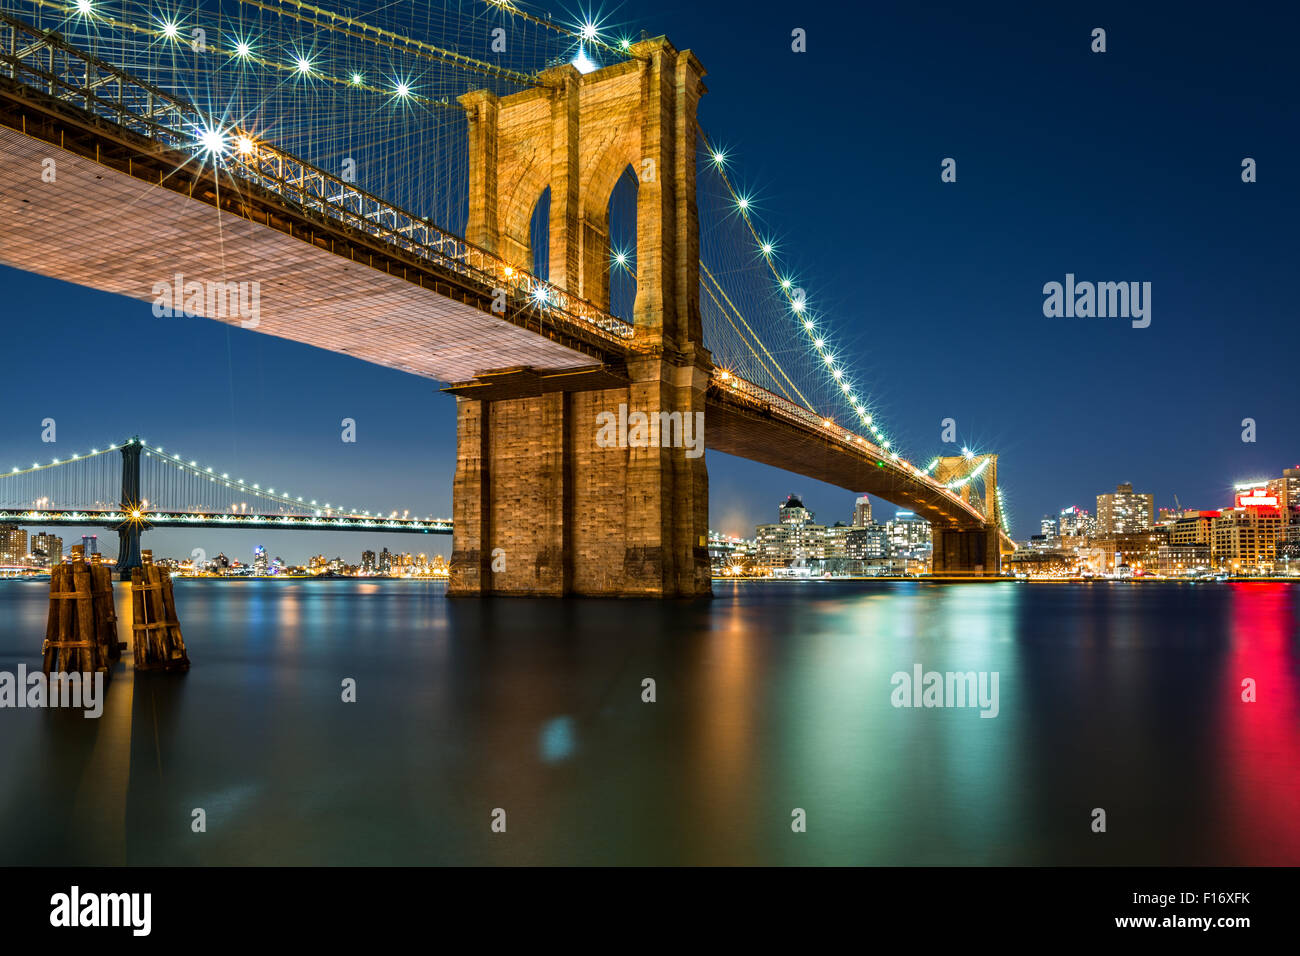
<point>132,486</point>
<point>530,233</point>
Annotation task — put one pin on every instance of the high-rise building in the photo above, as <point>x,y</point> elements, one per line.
<point>260,561</point>
<point>862,512</point>
<point>13,544</point>
<point>1074,522</point>
<point>367,562</point>
<point>1287,491</point>
<point>867,544</point>
<point>1048,527</point>
<point>385,562</point>
<point>47,549</point>
<point>794,539</point>
<point>909,535</point>
<point>837,541</point>
<point>1124,511</point>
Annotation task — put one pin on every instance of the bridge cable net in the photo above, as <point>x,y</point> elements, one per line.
<point>365,102</point>
<point>761,320</point>
<point>90,481</point>
<point>362,95</point>
<point>763,325</point>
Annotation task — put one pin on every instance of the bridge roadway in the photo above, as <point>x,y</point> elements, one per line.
<point>126,213</point>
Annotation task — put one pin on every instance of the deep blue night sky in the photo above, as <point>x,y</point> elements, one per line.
<point>1123,166</point>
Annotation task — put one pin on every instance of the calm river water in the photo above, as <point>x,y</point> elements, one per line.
<point>771,698</point>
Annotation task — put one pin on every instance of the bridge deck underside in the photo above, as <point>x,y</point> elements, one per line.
<point>97,227</point>
<point>746,433</point>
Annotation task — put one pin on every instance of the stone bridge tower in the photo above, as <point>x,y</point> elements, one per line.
<point>969,551</point>
<point>540,507</point>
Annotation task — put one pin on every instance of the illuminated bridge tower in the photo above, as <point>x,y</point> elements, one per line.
<point>541,508</point>
<point>974,550</point>
<point>128,533</point>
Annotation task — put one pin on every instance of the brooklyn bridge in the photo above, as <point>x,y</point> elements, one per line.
<point>526,212</point>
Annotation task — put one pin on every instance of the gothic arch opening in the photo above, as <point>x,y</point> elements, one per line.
<point>539,236</point>
<point>622,260</point>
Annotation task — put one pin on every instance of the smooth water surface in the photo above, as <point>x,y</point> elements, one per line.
<point>770,697</point>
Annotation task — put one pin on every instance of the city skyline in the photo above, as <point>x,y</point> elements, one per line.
<point>237,396</point>
<point>440,544</point>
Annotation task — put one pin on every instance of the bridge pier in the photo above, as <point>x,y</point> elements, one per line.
<point>590,482</point>
<point>969,552</point>
<point>965,553</point>
<point>564,492</point>
<point>128,533</point>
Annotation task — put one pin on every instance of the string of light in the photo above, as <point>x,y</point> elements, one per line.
<point>253,489</point>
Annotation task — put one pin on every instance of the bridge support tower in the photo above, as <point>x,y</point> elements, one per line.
<point>128,533</point>
<point>557,490</point>
<point>969,552</point>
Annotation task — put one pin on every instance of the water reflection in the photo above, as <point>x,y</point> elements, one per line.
<point>1258,758</point>
<point>768,698</point>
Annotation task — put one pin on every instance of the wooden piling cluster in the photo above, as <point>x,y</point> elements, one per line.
<point>155,631</point>
<point>81,630</point>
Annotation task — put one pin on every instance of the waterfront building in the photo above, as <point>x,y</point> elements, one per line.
<point>1124,511</point>
<point>367,562</point>
<point>1177,560</point>
<point>1194,527</point>
<point>1244,538</point>
<point>13,544</point>
<point>837,539</point>
<point>1041,562</point>
<point>1074,522</point>
<point>47,549</point>
<point>868,544</point>
<point>1287,491</point>
<point>1288,549</point>
<point>1131,551</point>
<point>909,535</point>
<point>795,539</point>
